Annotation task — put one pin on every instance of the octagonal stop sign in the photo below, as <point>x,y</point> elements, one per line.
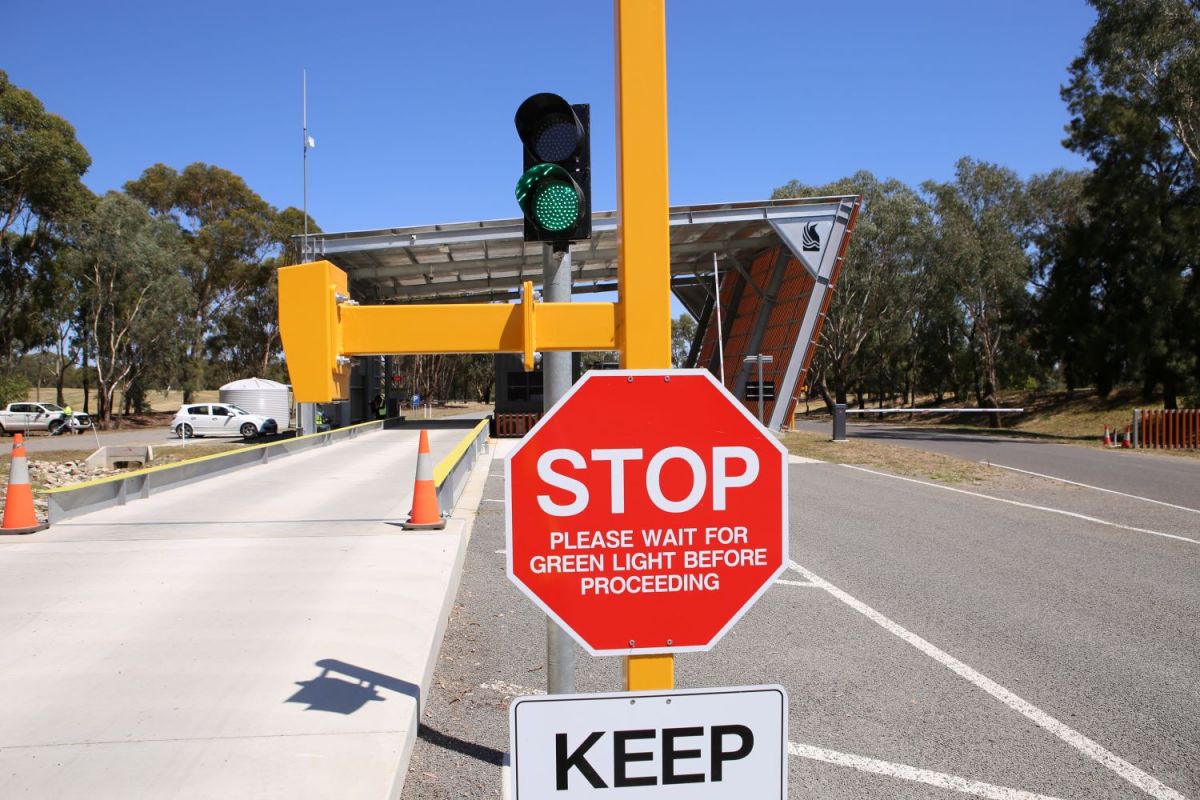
<point>646,511</point>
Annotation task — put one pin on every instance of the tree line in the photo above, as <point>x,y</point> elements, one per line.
<point>954,289</point>
<point>1069,279</point>
<point>168,283</point>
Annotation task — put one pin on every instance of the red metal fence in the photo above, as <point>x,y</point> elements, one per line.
<point>1161,428</point>
<point>514,425</point>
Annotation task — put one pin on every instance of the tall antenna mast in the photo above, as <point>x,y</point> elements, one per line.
<point>304,248</point>
<point>717,303</point>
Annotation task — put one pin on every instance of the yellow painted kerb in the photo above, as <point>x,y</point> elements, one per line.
<point>442,470</point>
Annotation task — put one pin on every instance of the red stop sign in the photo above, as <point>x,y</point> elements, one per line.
<point>646,511</point>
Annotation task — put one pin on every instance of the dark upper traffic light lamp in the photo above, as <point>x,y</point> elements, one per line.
<point>555,188</point>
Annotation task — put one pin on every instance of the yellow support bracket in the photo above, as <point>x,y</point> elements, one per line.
<point>320,332</point>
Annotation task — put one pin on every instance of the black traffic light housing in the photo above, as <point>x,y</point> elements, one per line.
<point>555,188</point>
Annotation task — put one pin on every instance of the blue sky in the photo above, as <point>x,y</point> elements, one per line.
<point>411,103</point>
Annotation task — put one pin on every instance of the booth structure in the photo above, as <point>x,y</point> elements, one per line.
<point>766,270</point>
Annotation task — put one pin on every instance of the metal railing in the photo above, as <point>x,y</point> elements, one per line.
<point>450,475</point>
<point>117,490</point>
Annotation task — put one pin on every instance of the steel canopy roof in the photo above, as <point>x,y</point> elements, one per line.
<point>487,260</point>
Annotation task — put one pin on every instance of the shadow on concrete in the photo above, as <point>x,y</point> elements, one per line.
<point>340,696</point>
<point>489,755</point>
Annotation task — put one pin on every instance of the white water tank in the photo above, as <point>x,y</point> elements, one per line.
<point>260,396</point>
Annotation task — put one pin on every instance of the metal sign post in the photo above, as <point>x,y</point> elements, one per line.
<point>556,383</point>
<point>760,359</point>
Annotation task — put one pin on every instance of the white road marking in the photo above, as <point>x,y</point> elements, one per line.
<point>786,582</point>
<point>501,551</point>
<point>490,500</point>
<point>803,460</point>
<point>892,770</point>
<point>1084,517</point>
<point>1147,783</point>
<point>862,763</point>
<point>1096,488</point>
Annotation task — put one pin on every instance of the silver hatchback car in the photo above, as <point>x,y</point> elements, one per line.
<point>220,419</point>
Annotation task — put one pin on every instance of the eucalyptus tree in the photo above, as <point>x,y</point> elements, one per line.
<point>128,267</point>
<point>982,220</point>
<point>1134,97</point>
<point>41,166</point>
<point>227,228</point>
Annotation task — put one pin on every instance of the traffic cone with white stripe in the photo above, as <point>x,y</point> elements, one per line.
<point>1128,440</point>
<point>1107,437</point>
<point>425,515</point>
<point>19,516</point>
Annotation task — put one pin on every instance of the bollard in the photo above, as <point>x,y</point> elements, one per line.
<point>839,422</point>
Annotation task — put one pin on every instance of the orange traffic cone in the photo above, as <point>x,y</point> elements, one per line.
<point>425,515</point>
<point>19,516</point>
<point>1128,440</point>
<point>1107,437</point>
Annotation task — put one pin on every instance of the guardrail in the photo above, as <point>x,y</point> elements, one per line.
<point>117,490</point>
<point>450,475</point>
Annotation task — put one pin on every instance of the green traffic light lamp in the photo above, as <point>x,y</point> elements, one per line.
<point>555,186</point>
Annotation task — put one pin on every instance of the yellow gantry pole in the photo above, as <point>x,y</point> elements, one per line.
<point>643,225</point>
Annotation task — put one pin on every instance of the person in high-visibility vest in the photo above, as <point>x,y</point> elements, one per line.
<point>68,414</point>
<point>381,407</point>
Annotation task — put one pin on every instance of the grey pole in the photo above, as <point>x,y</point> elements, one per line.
<point>1136,433</point>
<point>839,422</point>
<point>556,382</point>
<point>759,359</point>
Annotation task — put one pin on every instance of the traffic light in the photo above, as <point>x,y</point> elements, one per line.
<point>555,189</point>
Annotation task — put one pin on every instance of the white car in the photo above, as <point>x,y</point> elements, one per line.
<point>220,419</point>
<point>29,417</point>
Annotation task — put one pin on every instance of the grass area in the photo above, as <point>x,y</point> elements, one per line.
<point>159,401</point>
<point>891,458</point>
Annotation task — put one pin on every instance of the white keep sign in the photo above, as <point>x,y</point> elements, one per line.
<point>697,744</point>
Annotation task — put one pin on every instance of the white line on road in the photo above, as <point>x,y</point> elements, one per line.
<point>1096,488</point>
<point>490,500</point>
<point>786,582</point>
<point>1084,517</point>
<point>803,460</point>
<point>862,763</point>
<point>892,770</point>
<point>1147,783</point>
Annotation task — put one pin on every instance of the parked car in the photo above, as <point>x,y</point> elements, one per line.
<point>220,419</point>
<point>29,417</point>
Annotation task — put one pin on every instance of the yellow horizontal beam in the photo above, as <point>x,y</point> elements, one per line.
<point>321,329</point>
<point>474,328</point>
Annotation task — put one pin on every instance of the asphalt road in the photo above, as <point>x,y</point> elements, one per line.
<point>41,442</point>
<point>934,644</point>
<point>1165,478</point>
